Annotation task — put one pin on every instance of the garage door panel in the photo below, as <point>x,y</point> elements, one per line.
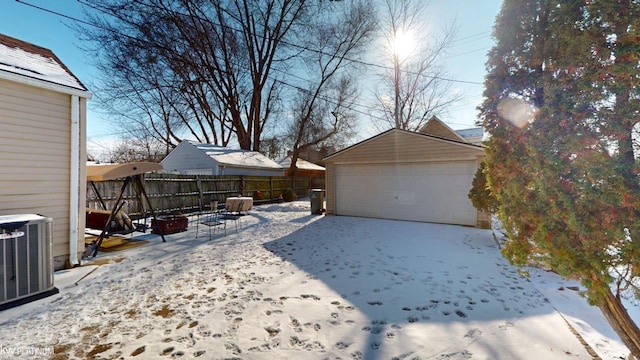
<point>430,192</point>
<point>395,198</point>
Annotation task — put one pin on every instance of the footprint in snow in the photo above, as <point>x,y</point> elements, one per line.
<point>506,325</point>
<point>235,350</point>
<point>473,334</point>
<point>272,331</point>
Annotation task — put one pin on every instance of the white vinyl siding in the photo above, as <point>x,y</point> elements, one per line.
<point>187,157</point>
<point>35,157</point>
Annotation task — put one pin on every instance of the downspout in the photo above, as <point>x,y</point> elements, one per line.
<point>75,180</point>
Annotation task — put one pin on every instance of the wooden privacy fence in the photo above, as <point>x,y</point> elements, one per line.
<point>170,193</point>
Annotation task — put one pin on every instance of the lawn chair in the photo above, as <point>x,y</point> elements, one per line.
<point>209,218</point>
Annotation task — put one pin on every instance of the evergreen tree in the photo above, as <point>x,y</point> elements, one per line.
<point>561,106</point>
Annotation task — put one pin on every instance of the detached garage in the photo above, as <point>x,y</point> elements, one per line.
<point>405,175</point>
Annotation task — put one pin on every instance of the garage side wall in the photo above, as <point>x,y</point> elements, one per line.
<point>186,157</point>
<point>35,147</point>
<point>395,147</point>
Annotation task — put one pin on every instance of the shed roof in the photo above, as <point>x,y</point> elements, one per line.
<point>300,164</point>
<point>31,61</point>
<point>236,157</point>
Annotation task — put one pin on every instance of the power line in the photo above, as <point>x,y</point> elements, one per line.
<point>470,38</point>
<point>467,52</point>
<point>357,61</point>
<point>301,47</point>
<point>54,12</point>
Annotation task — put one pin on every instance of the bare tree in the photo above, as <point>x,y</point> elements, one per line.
<point>415,88</point>
<point>322,111</point>
<point>207,69</point>
<point>134,149</point>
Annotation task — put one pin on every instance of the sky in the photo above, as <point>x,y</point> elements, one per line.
<point>465,63</point>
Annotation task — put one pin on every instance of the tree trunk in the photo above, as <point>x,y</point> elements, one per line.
<point>621,322</point>
<point>293,168</point>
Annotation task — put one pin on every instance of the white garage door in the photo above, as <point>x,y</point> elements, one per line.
<point>430,192</point>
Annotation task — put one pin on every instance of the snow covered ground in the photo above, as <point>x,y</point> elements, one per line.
<point>291,285</point>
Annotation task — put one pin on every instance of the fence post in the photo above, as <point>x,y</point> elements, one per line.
<point>200,194</point>
<point>167,191</point>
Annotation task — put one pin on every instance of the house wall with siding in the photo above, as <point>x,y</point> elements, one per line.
<point>397,146</point>
<point>186,157</point>
<point>35,148</point>
<point>438,129</point>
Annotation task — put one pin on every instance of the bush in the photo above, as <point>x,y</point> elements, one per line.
<point>480,195</point>
<point>289,195</point>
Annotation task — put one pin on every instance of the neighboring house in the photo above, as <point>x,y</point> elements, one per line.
<point>437,127</point>
<point>472,135</point>
<point>43,143</point>
<point>304,168</point>
<point>194,158</point>
<point>315,156</point>
<point>405,175</point>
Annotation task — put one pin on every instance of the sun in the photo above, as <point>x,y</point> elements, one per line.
<point>403,43</point>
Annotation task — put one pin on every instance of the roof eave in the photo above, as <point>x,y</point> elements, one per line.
<point>44,84</point>
<point>460,143</point>
<point>249,166</point>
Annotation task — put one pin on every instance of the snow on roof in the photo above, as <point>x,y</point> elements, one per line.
<point>301,164</point>
<point>236,157</point>
<point>467,133</point>
<point>22,58</point>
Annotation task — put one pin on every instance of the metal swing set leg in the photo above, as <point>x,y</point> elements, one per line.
<point>140,191</point>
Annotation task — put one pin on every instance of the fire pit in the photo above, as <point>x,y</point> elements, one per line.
<point>169,224</point>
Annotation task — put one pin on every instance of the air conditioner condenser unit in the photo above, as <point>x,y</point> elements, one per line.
<point>26,259</point>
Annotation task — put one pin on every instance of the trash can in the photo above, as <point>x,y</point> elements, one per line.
<point>317,200</point>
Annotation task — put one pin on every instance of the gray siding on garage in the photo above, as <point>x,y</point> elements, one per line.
<point>398,147</point>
